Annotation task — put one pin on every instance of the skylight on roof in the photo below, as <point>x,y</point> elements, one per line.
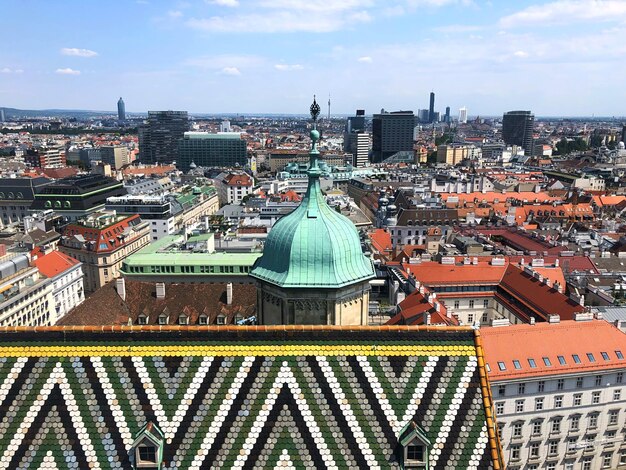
<point>561,360</point>
<point>546,361</point>
<point>532,363</point>
<point>487,366</point>
<point>516,364</point>
<point>605,356</point>
<point>576,358</point>
<point>501,365</point>
<point>591,357</point>
<point>619,354</point>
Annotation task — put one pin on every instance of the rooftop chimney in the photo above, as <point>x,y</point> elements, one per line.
<point>532,320</point>
<point>120,287</point>
<point>554,318</point>
<point>160,290</point>
<point>229,293</point>
<point>427,320</point>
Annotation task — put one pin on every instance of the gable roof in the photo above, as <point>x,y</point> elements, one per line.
<point>247,394</point>
<point>552,340</point>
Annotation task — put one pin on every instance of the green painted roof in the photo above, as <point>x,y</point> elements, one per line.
<point>314,246</point>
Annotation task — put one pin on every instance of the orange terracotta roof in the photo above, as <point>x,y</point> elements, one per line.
<point>381,240</point>
<point>491,196</point>
<point>602,201</point>
<point>565,339</point>
<point>54,263</point>
<point>432,273</point>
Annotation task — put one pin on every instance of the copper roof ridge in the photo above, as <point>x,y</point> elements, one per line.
<point>220,328</point>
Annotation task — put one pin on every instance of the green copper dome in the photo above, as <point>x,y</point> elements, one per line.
<point>314,246</point>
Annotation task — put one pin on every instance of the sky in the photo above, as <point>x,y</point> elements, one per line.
<point>556,58</point>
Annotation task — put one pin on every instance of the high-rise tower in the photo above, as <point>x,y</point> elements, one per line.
<point>121,110</point>
<point>517,129</point>
<point>447,118</point>
<point>160,134</point>
<point>431,108</point>
<point>463,115</point>
<point>392,133</point>
<point>313,270</point>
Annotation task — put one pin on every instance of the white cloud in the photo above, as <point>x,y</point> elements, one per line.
<point>218,62</point>
<point>9,70</point>
<point>365,59</point>
<point>288,67</point>
<point>230,71</point>
<point>73,51</point>
<point>225,3</point>
<point>288,16</point>
<point>567,12</point>
<point>521,54</point>
<point>67,71</point>
<point>175,14</point>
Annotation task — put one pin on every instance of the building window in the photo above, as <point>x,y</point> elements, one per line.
<point>613,417</point>
<point>539,404</point>
<point>550,466</point>
<point>515,452</point>
<point>221,320</point>
<point>598,380</point>
<point>579,382</point>
<point>546,361</point>
<point>586,463</point>
<point>501,365</point>
<point>560,384</point>
<point>541,386</point>
<point>622,457</point>
<point>519,406</point>
<point>500,408</point>
<point>486,303</point>
<point>457,304</point>
<point>605,356</point>
<point>471,303</point>
<point>578,397</point>
<point>593,420</point>
<point>556,425</point>
<point>620,356</point>
<point>517,429</point>
<point>617,394</point>
<point>595,398</point>
<point>501,390</point>
<point>553,447</point>
<point>521,388</point>
<point>415,453</point>
<point>591,357</point>
<point>470,318</point>
<point>536,428</point>
<point>561,360</point>
<point>576,358</point>
<point>619,377</point>
<point>202,320</point>
<point>531,363</point>
<point>607,460</point>
<point>574,424</point>
<point>147,454</point>
<point>534,450</point>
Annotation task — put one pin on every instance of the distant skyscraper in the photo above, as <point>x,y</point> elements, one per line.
<point>447,118</point>
<point>159,136</point>
<point>431,108</point>
<point>2,115</point>
<point>392,133</point>
<point>121,110</point>
<point>517,129</point>
<point>423,115</point>
<point>354,124</point>
<point>624,133</point>
<point>463,115</point>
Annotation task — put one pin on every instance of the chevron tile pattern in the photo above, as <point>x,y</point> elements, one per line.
<point>244,410</point>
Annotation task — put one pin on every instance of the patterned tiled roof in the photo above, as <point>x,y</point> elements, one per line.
<point>243,397</point>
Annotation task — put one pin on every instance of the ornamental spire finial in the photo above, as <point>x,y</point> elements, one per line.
<point>315,110</point>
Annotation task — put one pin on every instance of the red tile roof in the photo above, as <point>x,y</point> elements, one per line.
<point>54,263</point>
<point>238,180</point>
<point>431,273</point>
<point>106,238</point>
<point>524,342</point>
<point>537,296</point>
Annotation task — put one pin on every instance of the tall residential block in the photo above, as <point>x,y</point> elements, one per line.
<point>224,149</point>
<point>431,108</point>
<point>354,124</point>
<point>116,156</point>
<point>517,129</point>
<point>463,115</point>
<point>392,133</point>
<point>121,110</point>
<point>159,136</point>
<point>361,149</point>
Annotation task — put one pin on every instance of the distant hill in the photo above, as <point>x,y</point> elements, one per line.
<point>65,113</point>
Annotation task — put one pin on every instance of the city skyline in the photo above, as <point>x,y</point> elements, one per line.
<point>233,56</point>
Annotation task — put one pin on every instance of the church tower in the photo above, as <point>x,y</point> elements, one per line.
<point>313,271</point>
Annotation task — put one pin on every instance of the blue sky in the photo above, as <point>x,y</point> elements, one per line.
<point>565,57</point>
